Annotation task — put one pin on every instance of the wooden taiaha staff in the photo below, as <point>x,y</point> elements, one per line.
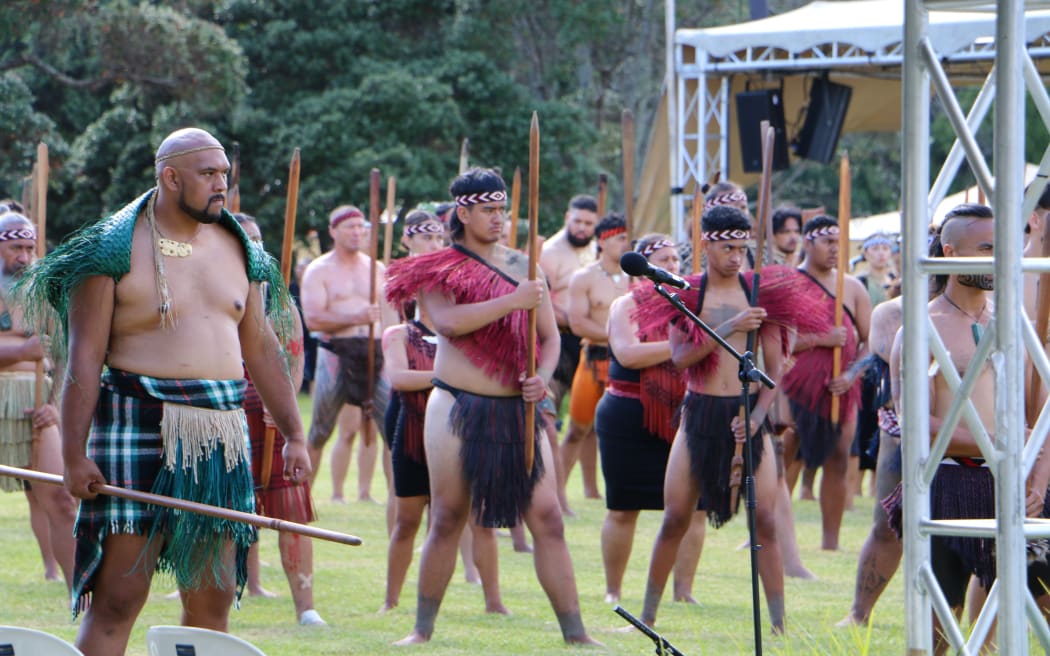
<point>233,192</point>
<point>464,155</point>
<point>40,178</point>
<point>391,217</point>
<point>627,145</point>
<point>1042,324</point>
<point>736,468</point>
<point>530,338</point>
<point>603,192</point>
<point>373,248</point>
<point>189,506</point>
<point>287,242</point>
<point>840,279</point>
<point>697,214</point>
<point>515,207</point>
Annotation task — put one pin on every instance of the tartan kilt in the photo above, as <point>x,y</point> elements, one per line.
<point>126,443</point>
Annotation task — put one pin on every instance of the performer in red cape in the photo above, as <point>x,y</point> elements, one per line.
<point>408,363</point>
<point>477,294</point>
<point>700,460</point>
<point>809,386</point>
<point>636,421</point>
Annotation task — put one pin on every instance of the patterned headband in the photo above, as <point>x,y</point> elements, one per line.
<point>823,231</point>
<point>180,153</point>
<point>425,228</point>
<point>612,232</point>
<point>351,213</point>
<point>17,233</point>
<point>725,235</point>
<point>649,249</point>
<point>876,240</point>
<point>482,197</point>
<point>730,198</point>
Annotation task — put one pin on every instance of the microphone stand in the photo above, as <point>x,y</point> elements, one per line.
<point>748,374</point>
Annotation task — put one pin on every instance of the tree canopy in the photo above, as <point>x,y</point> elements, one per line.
<point>394,85</point>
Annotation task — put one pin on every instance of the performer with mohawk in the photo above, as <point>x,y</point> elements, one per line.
<point>477,293</point>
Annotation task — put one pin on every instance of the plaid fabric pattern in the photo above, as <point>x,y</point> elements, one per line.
<point>125,442</point>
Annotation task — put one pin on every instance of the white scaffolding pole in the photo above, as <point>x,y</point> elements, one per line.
<point>915,184</point>
<point>1008,358</point>
<point>1009,599</point>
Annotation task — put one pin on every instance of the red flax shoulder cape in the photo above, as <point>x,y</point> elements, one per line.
<point>782,293</point>
<point>498,348</point>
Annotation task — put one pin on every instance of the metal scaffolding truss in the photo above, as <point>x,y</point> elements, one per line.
<point>1004,344</point>
<point>700,95</point>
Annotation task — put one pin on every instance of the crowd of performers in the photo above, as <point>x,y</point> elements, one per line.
<point>188,367</point>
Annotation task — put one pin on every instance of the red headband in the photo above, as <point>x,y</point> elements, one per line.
<point>349,213</point>
<point>612,232</point>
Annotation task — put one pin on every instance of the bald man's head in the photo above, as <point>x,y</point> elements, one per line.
<point>184,142</point>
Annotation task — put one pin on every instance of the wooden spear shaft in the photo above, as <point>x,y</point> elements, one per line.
<point>840,279</point>
<point>736,469</point>
<point>43,169</point>
<point>697,217</point>
<point>464,155</point>
<point>697,214</point>
<point>530,343</point>
<point>515,207</point>
<point>603,192</point>
<point>287,242</point>
<point>373,248</point>
<point>391,216</point>
<point>233,193</point>
<point>627,145</point>
<point>189,506</point>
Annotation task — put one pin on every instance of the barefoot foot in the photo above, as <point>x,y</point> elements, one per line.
<point>413,638</point>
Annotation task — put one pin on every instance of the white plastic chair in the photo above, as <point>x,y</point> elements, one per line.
<point>189,641</point>
<point>16,641</point>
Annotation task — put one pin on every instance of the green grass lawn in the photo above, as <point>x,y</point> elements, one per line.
<point>349,584</point>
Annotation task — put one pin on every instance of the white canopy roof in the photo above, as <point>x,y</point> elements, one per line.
<point>868,24</point>
<point>890,222</point>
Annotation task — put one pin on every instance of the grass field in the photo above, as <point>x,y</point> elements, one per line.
<point>349,584</point>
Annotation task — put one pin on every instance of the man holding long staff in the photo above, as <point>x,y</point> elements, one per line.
<point>477,293</point>
<point>822,434</point>
<point>701,454</point>
<point>139,293</point>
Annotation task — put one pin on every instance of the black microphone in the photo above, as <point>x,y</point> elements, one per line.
<point>635,264</point>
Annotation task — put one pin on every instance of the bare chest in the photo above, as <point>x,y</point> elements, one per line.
<point>211,283</point>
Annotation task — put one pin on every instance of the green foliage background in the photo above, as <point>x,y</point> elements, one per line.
<point>392,84</point>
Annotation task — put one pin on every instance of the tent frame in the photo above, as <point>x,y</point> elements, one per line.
<point>699,95</point>
<point>1003,344</point>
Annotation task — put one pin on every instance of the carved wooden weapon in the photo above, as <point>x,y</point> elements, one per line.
<point>391,217</point>
<point>534,215</point>
<point>190,506</point>
<point>287,242</point>
<point>515,207</point>
<point>840,279</point>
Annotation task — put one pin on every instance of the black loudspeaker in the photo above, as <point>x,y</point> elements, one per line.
<point>828,103</point>
<point>753,107</point>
